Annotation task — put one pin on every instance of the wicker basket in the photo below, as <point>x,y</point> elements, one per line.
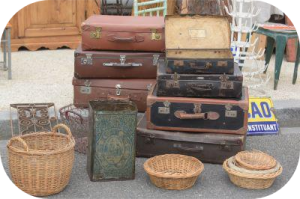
<point>256,160</point>
<point>77,120</point>
<point>41,163</point>
<point>172,171</point>
<point>251,180</point>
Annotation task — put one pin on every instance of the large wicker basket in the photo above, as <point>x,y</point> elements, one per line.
<point>172,171</point>
<point>41,163</point>
<point>251,179</point>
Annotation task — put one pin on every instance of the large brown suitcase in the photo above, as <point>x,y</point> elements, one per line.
<point>136,90</point>
<point>129,33</point>
<point>198,114</point>
<point>198,44</point>
<point>199,85</point>
<point>207,147</point>
<point>116,64</point>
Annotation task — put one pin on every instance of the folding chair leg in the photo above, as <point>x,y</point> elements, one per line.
<point>296,65</point>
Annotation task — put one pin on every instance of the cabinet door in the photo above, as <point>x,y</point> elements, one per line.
<point>51,18</point>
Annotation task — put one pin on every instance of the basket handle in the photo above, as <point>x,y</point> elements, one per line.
<point>65,127</point>
<point>22,142</point>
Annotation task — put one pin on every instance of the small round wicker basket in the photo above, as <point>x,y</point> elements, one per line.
<point>172,171</point>
<point>41,163</point>
<point>255,160</point>
<point>251,179</point>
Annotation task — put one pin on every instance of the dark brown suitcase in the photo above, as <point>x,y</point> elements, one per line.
<point>201,7</point>
<point>198,44</point>
<point>129,33</point>
<point>198,114</point>
<point>207,147</point>
<point>199,85</point>
<point>116,64</point>
<point>135,90</point>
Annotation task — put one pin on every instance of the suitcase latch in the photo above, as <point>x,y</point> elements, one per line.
<point>155,59</point>
<point>225,147</point>
<point>225,84</point>
<point>165,109</point>
<point>118,89</point>
<point>155,35</point>
<point>86,89</point>
<point>174,83</point>
<point>230,113</point>
<point>122,59</point>
<point>88,60</point>
<point>96,34</point>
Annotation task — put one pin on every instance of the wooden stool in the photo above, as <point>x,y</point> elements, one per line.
<point>281,39</point>
<point>7,50</point>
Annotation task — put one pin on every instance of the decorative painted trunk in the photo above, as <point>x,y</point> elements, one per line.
<point>111,150</point>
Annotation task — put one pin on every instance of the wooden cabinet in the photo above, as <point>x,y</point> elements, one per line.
<point>51,24</point>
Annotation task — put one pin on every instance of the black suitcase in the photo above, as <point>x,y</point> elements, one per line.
<point>205,115</point>
<point>199,85</point>
<point>209,148</point>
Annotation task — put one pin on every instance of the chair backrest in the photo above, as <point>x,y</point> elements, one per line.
<point>150,7</point>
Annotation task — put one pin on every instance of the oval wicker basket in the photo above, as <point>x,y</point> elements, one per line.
<point>251,181</point>
<point>41,163</point>
<point>172,171</point>
<point>256,160</point>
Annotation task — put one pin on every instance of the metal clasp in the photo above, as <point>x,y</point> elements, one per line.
<point>155,59</point>
<point>225,84</point>
<point>122,59</point>
<point>155,35</point>
<point>197,108</point>
<point>96,34</point>
<point>118,91</point>
<point>174,82</point>
<point>88,60</point>
<point>224,146</point>
<point>165,109</point>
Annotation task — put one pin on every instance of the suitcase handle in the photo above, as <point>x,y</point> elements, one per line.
<point>114,38</point>
<point>125,65</point>
<point>206,87</point>
<point>206,66</point>
<point>206,116</point>
<point>121,98</point>
<point>182,148</point>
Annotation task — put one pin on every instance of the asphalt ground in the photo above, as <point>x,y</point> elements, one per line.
<point>213,182</point>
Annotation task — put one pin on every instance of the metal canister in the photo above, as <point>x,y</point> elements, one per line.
<point>111,149</point>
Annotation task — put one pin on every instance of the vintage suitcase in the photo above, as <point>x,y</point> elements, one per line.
<point>198,44</point>
<point>111,148</point>
<point>116,64</point>
<point>135,90</point>
<point>207,147</point>
<point>199,85</point>
<point>198,114</point>
<point>129,33</point>
<point>201,7</point>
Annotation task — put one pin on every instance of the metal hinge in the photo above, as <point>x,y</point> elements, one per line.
<point>155,35</point>
<point>88,60</point>
<point>174,83</point>
<point>155,59</point>
<point>96,34</point>
<point>118,89</point>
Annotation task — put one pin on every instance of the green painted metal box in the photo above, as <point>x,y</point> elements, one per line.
<point>111,150</point>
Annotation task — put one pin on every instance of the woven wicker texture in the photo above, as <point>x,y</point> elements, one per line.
<point>250,180</point>
<point>255,160</point>
<point>41,163</point>
<point>172,171</point>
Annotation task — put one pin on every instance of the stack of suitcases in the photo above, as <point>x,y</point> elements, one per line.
<point>199,106</point>
<point>118,59</point>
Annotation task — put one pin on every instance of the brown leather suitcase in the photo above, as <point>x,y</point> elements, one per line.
<point>205,115</point>
<point>198,44</point>
<point>135,90</point>
<point>207,147</point>
<point>128,33</point>
<point>116,64</point>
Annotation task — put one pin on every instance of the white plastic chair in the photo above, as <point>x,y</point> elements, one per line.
<point>152,11</point>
